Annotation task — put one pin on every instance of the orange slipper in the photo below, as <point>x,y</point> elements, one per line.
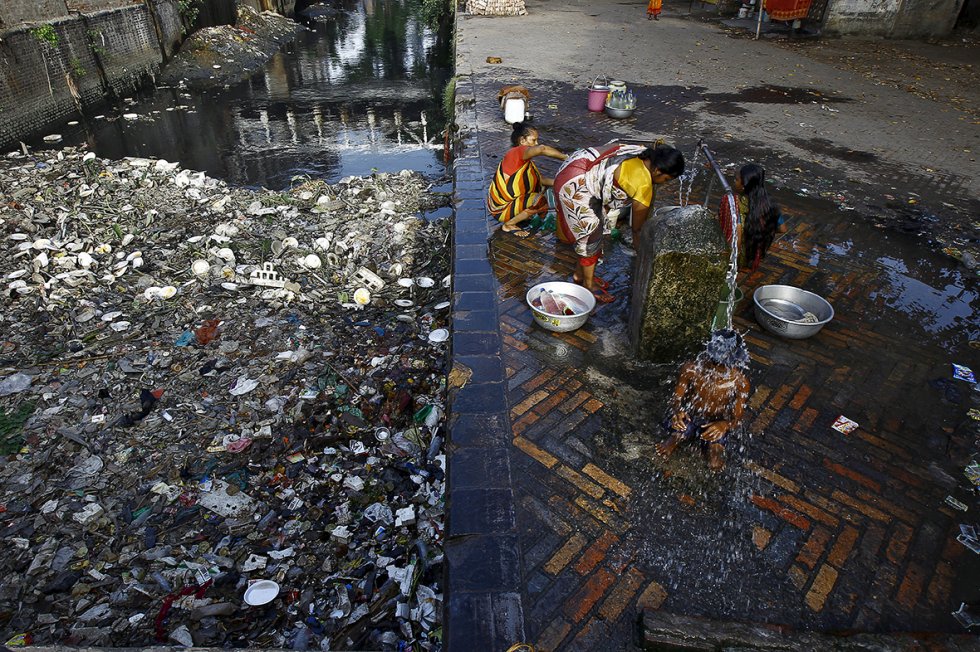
<point>602,295</point>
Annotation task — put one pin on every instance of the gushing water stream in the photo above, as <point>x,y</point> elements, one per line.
<point>731,276</point>
<point>683,198</point>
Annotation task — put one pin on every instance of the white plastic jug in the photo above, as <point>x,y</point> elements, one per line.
<point>514,109</point>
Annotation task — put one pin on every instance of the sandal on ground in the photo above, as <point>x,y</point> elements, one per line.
<point>602,296</point>
<point>600,283</point>
<point>518,233</point>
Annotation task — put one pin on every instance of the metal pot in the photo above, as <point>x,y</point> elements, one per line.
<point>781,309</point>
<point>561,323</point>
<point>619,114</point>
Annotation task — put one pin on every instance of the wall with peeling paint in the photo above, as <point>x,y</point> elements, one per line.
<point>892,18</point>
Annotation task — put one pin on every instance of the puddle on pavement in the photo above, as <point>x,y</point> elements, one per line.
<point>732,103</point>
<point>824,146</point>
<point>362,92</point>
<point>776,95</point>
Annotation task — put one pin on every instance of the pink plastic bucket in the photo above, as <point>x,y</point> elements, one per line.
<point>597,97</point>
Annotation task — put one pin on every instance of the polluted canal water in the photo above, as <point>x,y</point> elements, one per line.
<point>222,407</point>
<point>358,93</point>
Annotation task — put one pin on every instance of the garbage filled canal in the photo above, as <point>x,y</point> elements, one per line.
<point>359,92</point>
<point>222,406</point>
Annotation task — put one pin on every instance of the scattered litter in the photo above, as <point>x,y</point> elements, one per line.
<point>963,373</point>
<point>968,537</point>
<point>844,425</point>
<point>965,615</point>
<point>190,403</point>
<point>261,592</point>
<point>972,473</point>
<point>955,504</point>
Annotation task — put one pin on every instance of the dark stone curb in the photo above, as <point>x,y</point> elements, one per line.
<point>667,631</point>
<point>483,609</point>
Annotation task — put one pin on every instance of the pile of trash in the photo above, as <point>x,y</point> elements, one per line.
<point>320,12</point>
<point>221,410</point>
<point>226,54</point>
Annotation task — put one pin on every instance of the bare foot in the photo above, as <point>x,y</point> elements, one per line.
<point>666,448</point>
<point>516,231</point>
<point>716,457</point>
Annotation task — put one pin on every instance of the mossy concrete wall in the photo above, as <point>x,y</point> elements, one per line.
<point>44,81</point>
<point>95,48</point>
<point>680,266</point>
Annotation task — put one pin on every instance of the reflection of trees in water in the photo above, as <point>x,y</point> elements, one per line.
<point>368,83</point>
<point>378,40</point>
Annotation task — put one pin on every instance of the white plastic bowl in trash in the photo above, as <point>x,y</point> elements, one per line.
<point>562,323</point>
<point>261,592</point>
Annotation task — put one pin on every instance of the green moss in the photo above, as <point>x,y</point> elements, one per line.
<point>45,34</point>
<point>678,295</point>
<point>449,101</point>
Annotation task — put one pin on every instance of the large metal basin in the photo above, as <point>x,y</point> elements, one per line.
<point>619,114</point>
<point>781,309</point>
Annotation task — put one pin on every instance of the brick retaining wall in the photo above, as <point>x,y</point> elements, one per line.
<point>36,76</point>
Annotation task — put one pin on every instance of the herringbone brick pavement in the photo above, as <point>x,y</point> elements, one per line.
<point>817,529</point>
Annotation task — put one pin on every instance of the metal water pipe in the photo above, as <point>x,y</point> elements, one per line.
<point>729,194</point>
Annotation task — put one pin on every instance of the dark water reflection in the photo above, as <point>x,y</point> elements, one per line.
<point>359,92</point>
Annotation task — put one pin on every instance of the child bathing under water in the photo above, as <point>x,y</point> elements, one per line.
<point>710,397</point>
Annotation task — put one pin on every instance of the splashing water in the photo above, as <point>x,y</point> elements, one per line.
<point>683,198</point>
<point>731,275</point>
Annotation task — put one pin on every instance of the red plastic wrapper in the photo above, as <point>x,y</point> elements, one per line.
<point>207,332</point>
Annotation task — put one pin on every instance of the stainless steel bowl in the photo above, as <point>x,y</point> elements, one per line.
<point>783,309</point>
<point>618,113</point>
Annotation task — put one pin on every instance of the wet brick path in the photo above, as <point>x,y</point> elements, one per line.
<point>807,527</point>
<point>864,537</point>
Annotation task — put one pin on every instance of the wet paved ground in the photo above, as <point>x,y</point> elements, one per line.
<point>806,527</point>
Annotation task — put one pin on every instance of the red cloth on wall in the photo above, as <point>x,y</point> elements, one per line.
<point>787,9</point>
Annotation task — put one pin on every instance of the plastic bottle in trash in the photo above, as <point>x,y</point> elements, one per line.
<point>434,447</point>
<point>561,305</point>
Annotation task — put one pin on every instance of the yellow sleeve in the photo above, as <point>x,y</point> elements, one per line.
<point>634,179</point>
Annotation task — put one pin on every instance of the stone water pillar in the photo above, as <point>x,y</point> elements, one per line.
<point>681,260</point>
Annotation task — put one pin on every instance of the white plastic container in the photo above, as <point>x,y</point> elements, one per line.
<point>562,323</point>
<point>514,109</point>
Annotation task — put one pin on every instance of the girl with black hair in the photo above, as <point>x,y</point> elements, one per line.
<point>759,218</point>
<point>517,191</point>
<point>593,186</point>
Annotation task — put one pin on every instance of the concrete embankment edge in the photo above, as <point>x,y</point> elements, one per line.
<point>484,609</point>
